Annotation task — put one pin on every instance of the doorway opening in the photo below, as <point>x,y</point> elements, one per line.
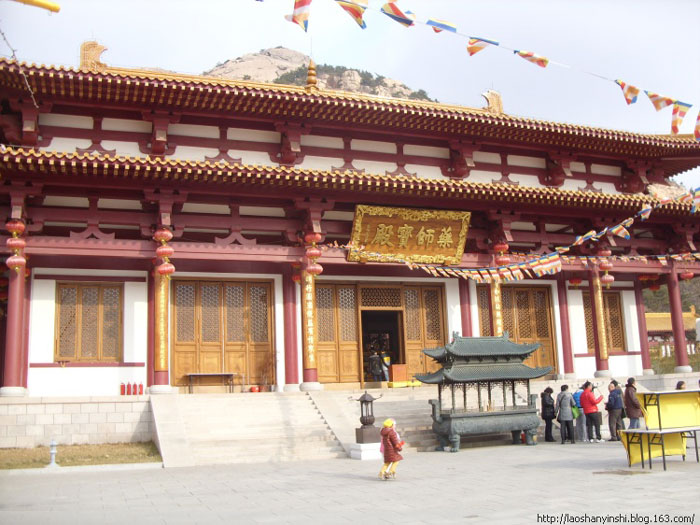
<point>382,331</point>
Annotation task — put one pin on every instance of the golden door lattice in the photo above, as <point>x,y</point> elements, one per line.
<point>527,317</point>
<point>222,327</point>
<point>338,341</point>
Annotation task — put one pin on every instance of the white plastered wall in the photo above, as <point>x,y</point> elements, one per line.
<point>93,380</point>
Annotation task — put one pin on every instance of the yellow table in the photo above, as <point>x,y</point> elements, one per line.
<point>672,417</point>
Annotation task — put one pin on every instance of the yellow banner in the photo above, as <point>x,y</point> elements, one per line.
<point>384,234</point>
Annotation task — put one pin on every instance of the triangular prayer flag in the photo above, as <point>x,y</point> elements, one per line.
<point>478,44</point>
<point>441,25</point>
<point>697,127</point>
<point>679,111</point>
<point>645,212</point>
<point>629,91</point>
<point>659,101</point>
<point>662,260</point>
<point>696,201</point>
<point>355,8</point>
<point>532,57</point>
<point>628,222</point>
<point>391,10</point>
<point>620,231</point>
<point>300,15</point>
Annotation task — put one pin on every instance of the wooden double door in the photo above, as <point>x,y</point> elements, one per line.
<point>340,350</point>
<point>222,326</point>
<point>527,317</point>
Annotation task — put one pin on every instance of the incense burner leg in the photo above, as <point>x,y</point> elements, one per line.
<point>455,441</point>
<point>443,443</point>
<point>516,436</point>
<point>529,437</point>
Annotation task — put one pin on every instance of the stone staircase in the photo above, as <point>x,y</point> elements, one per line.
<point>207,429</point>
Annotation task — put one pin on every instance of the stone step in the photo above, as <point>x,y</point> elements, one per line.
<point>246,435</point>
<point>281,456</point>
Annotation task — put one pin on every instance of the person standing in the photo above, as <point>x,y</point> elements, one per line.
<point>386,360</point>
<point>632,406</point>
<point>547,412</point>
<point>581,434</point>
<point>375,366</point>
<point>614,408</point>
<point>590,407</point>
<point>391,446</point>
<point>563,407</point>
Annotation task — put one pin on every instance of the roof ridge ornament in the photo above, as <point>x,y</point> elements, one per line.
<point>311,80</point>
<point>90,52</point>
<point>495,102</point>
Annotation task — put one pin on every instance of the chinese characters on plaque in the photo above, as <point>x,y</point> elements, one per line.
<point>386,234</point>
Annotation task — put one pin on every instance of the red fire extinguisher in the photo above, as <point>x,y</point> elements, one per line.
<point>122,389</point>
<point>140,389</point>
<point>128,389</point>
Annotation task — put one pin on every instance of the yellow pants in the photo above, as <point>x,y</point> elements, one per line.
<point>392,470</point>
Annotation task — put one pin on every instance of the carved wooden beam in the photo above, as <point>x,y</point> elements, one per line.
<point>96,146</point>
<point>558,168</point>
<point>634,178</point>
<point>93,224</point>
<point>290,144</point>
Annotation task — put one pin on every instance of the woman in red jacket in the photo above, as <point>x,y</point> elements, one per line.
<point>391,447</point>
<point>589,403</point>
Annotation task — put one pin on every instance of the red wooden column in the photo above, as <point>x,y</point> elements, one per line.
<point>465,308</point>
<point>599,335</point>
<point>565,327</point>
<point>679,342</point>
<point>643,334</point>
<point>291,350</point>
<point>151,345</point>
<point>12,379</point>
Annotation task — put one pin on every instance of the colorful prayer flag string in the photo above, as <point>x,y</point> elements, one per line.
<point>355,8</point>
<point>532,57</point>
<point>478,44</point>
<point>441,25</point>
<point>629,91</point>
<point>659,101</point>
<point>393,11</point>
<point>679,111</point>
<point>301,13</point>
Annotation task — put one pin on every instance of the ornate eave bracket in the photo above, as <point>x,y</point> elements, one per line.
<point>159,144</point>
<point>683,238</point>
<point>165,199</point>
<point>634,178</point>
<point>558,168</point>
<point>314,208</point>
<point>290,145</point>
<point>347,158</point>
<point>461,160</point>
<point>22,127</point>
<point>235,229</point>
<point>93,227</point>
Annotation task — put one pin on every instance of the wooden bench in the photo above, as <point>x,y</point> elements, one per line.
<point>227,376</point>
<point>671,418</point>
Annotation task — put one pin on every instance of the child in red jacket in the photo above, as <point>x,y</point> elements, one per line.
<point>589,403</point>
<point>391,446</point>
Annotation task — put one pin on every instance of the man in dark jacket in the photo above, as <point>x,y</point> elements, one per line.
<point>614,408</point>
<point>632,406</point>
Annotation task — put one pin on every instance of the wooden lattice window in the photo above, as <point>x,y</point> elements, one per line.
<point>88,322</point>
<point>484,303</point>
<point>613,318</point>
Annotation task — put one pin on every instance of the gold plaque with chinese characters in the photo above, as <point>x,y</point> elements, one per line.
<point>383,234</point>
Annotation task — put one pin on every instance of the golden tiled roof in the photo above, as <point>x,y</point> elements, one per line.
<point>661,322</point>
<point>53,164</point>
<point>194,94</point>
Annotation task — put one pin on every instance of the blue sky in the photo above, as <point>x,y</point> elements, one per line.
<point>653,45</point>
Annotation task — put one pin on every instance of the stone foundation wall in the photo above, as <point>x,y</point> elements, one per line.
<point>30,422</point>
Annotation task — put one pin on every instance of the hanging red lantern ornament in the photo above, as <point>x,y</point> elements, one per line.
<point>314,269</point>
<point>16,262</point>
<point>655,287</point>
<point>687,276</point>
<point>296,278</point>
<point>575,281</point>
<point>164,251</point>
<point>163,235</point>
<point>312,238</point>
<point>605,265</point>
<point>500,248</point>
<point>166,269</point>
<point>502,260</point>
<point>607,280</point>
<point>313,252</point>
<point>15,227</point>
<point>604,252</point>
<point>15,244</point>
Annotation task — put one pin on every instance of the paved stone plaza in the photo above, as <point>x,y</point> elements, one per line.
<point>504,484</point>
